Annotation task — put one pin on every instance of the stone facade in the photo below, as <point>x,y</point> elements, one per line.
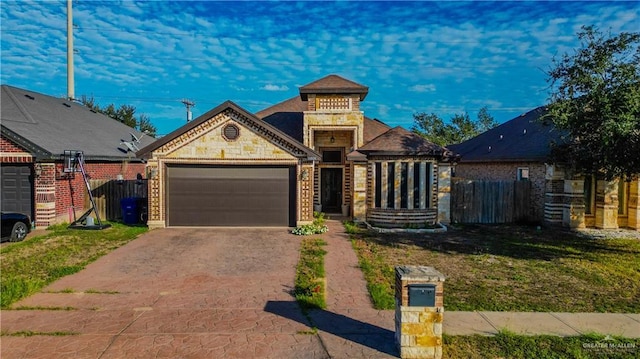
<point>332,175</point>
<point>206,144</point>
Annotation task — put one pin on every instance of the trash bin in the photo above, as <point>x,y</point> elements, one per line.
<point>130,214</point>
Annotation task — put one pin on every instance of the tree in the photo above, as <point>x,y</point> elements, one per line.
<point>460,128</point>
<point>125,114</point>
<point>595,99</point>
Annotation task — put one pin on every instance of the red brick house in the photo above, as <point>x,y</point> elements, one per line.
<point>519,150</point>
<point>36,130</point>
<point>315,151</point>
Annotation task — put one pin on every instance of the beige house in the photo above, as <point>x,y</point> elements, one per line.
<point>316,151</point>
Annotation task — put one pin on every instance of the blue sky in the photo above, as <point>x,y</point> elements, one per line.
<point>427,56</point>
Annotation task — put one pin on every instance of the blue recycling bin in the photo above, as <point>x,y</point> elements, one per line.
<point>130,214</point>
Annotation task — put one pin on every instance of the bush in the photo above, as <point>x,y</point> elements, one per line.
<point>317,227</point>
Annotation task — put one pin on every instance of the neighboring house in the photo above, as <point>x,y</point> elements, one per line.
<point>36,130</point>
<point>519,149</point>
<point>316,151</point>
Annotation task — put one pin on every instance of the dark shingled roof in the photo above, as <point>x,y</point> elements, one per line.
<point>287,116</point>
<point>400,142</point>
<point>333,84</point>
<point>524,138</point>
<point>46,126</point>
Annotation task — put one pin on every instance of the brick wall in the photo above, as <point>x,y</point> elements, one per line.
<point>70,189</point>
<point>12,153</point>
<point>499,171</point>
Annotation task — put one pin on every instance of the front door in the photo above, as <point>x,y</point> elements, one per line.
<point>331,189</point>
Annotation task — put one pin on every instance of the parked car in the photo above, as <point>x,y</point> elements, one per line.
<point>15,226</point>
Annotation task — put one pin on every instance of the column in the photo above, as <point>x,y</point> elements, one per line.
<point>607,204</point>
<point>573,208</point>
<point>423,184</point>
<point>383,192</point>
<point>396,184</point>
<point>444,192</point>
<point>634,205</point>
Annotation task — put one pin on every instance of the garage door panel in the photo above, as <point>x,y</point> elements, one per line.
<point>17,188</point>
<point>230,196</point>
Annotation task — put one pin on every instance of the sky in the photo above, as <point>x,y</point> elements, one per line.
<point>443,57</point>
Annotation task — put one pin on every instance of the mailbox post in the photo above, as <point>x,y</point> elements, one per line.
<point>419,312</point>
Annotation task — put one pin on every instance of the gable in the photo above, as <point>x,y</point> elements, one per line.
<point>205,139</point>
<point>212,144</point>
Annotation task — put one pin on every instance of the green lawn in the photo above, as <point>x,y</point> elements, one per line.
<point>509,268</point>
<point>310,275</point>
<point>508,345</point>
<point>28,266</point>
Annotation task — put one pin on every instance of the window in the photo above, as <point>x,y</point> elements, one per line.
<point>523,173</point>
<point>391,176</point>
<point>332,156</point>
<point>416,184</point>
<point>589,194</point>
<point>404,185</point>
<point>378,179</point>
<point>623,187</point>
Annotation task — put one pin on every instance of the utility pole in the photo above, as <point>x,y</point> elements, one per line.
<point>188,104</point>
<point>70,85</point>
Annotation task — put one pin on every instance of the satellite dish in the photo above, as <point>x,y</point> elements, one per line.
<point>130,146</point>
<point>135,138</point>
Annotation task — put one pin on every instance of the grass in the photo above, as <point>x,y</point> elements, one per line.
<point>509,268</point>
<point>310,285</point>
<point>509,345</point>
<point>28,266</point>
<point>28,333</point>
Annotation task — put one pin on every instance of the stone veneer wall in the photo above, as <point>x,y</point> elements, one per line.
<point>507,171</point>
<point>206,145</point>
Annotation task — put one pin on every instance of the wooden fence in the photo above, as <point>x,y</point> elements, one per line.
<point>108,193</point>
<point>490,201</point>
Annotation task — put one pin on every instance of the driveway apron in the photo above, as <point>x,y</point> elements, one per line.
<point>172,293</point>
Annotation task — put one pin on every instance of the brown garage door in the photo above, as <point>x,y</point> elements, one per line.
<point>230,196</point>
<point>17,189</point>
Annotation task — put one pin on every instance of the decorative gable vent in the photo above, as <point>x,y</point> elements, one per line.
<point>231,132</point>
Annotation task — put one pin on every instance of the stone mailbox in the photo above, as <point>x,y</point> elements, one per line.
<point>419,312</point>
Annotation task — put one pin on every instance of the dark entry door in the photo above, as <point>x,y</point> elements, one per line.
<point>331,182</point>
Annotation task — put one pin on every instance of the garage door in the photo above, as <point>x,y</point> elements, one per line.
<point>230,196</point>
<point>17,189</point>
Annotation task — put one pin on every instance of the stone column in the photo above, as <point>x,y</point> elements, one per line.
<point>634,205</point>
<point>419,312</point>
<point>359,198</point>
<point>573,209</point>
<point>155,218</point>
<point>607,204</point>
<point>554,195</point>
<point>410,184</point>
<point>384,184</point>
<point>423,184</point>
<point>444,193</point>
<point>396,184</point>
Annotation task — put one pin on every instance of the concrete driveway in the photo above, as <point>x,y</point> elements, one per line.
<point>172,293</point>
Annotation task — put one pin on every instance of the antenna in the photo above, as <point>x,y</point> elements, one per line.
<point>188,103</point>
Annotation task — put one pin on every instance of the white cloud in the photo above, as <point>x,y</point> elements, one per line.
<point>423,88</point>
<point>272,87</point>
